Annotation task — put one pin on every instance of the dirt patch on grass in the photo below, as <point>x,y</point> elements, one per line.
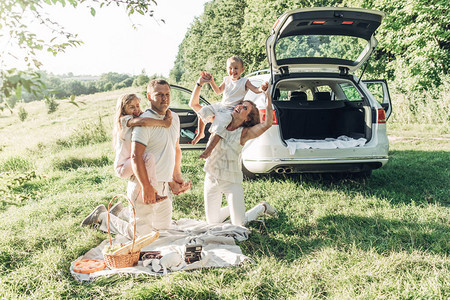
<point>414,138</point>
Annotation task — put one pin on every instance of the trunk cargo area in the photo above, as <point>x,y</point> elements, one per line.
<point>320,120</point>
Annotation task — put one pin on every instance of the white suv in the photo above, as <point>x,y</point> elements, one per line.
<point>325,118</point>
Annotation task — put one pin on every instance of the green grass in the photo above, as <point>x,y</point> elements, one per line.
<point>386,237</point>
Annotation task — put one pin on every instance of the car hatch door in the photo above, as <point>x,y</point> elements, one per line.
<point>322,39</point>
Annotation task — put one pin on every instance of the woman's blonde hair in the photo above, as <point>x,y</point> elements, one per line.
<point>122,101</point>
<point>253,115</point>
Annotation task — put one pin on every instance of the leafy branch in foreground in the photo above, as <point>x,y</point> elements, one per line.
<point>26,30</point>
<point>12,81</point>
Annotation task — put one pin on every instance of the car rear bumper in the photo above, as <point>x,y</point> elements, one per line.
<point>315,165</point>
<point>267,154</point>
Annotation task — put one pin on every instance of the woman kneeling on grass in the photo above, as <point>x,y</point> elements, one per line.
<point>223,166</point>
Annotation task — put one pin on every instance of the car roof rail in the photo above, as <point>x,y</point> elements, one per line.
<point>259,72</point>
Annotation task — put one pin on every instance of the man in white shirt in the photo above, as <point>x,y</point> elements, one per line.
<point>163,143</point>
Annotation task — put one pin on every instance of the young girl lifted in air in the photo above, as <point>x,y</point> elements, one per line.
<point>127,116</point>
<point>234,89</point>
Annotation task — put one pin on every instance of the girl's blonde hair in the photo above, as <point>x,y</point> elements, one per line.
<point>122,101</point>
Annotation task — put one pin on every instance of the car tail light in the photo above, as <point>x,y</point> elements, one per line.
<point>262,116</point>
<point>347,22</point>
<point>381,115</point>
<point>319,22</point>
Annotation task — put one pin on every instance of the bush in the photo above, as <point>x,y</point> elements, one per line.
<point>51,104</point>
<point>73,163</point>
<point>15,164</point>
<point>86,134</point>
<point>430,107</point>
<point>23,114</point>
<point>108,86</point>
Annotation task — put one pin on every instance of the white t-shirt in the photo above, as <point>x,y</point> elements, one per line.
<point>219,115</point>
<point>123,143</point>
<point>161,142</point>
<point>234,91</point>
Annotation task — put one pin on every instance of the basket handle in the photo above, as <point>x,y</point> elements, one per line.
<point>109,219</point>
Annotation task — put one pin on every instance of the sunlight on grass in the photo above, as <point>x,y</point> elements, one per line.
<point>335,237</point>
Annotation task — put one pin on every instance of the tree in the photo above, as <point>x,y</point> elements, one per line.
<point>141,79</point>
<point>210,40</point>
<point>413,49</point>
<point>75,87</point>
<point>21,44</point>
<point>415,46</point>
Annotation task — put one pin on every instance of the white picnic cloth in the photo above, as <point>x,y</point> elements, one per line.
<point>218,248</point>
<point>342,141</point>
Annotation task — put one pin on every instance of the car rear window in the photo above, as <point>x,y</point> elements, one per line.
<point>320,46</point>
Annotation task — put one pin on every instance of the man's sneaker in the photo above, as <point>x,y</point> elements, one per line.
<point>93,217</point>
<point>269,209</point>
<point>116,208</point>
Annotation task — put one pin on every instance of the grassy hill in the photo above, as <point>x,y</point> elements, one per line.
<point>385,237</point>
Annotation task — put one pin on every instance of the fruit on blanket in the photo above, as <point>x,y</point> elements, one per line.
<point>87,266</point>
<point>138,245</point>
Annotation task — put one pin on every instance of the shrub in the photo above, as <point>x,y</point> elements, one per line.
<point>15,164</point>
<point>23,114</point>
<point>51,104</point>
<point>431,107</point>
<point>76,162</point>
<point>87,133</point>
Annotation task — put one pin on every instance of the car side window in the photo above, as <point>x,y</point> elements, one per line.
<point>309,94</point>
<point>179,98</point>
<point>351,92</point>
<point>284,96</point>
<point>376,90</point>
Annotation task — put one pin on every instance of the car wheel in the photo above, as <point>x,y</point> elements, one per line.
<point>247,173</point>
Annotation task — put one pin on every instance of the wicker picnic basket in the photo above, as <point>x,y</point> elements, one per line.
<point>122,260</point>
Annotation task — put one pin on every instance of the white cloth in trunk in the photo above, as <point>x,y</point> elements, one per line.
<point>328,143</point>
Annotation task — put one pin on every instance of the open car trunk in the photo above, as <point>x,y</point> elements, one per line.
<point>317,120</point>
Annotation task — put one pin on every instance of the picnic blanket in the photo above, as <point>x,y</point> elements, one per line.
<point>218,249</point>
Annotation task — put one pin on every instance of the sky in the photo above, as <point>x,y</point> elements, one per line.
<point>112,45</point>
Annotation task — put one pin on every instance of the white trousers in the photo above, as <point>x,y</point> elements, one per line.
<point>234,193</point>
<point>214,189</point>
<point>149,217</point>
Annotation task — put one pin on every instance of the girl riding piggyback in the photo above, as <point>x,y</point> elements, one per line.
<point>127,116</point>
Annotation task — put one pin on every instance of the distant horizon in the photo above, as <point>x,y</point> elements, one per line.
<point>94,75</point>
